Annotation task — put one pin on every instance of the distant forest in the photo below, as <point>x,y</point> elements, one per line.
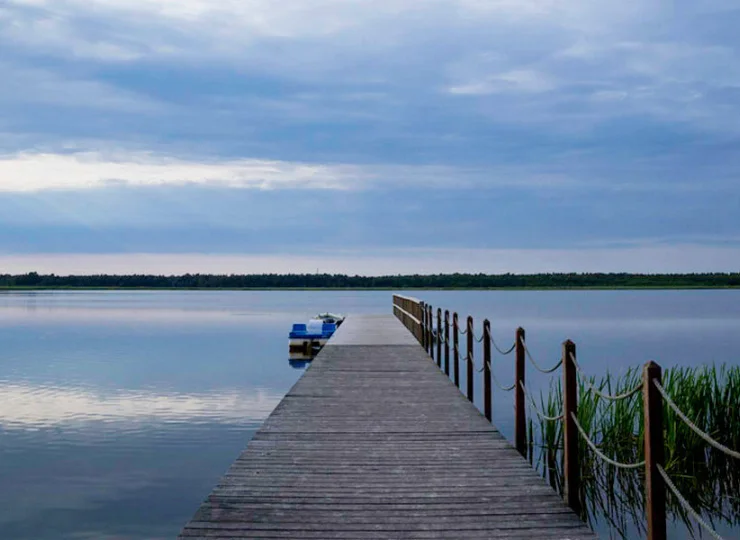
<point>340,281</point>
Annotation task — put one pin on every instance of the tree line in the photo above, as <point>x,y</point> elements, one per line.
<point>340,281</point>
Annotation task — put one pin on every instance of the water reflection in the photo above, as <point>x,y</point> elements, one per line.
<point>119,411</point>
<point>299,363</point>
<point>34,407</point>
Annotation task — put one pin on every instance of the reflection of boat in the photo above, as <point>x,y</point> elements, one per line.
<point>305,340</point>
<point>299,363</point>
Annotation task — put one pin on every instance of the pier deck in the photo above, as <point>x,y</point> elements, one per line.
<point>375,442</point>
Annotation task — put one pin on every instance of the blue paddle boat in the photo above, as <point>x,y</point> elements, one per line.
<point>306,340</point>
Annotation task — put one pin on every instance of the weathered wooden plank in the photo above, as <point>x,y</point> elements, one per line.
<point>566,521</point>
<point>374,442</point>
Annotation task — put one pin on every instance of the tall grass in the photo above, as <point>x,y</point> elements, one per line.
<point>709,479</point>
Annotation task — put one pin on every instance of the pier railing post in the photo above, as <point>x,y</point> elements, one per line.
<point>469,380</point>
<point>571,466</point>
<point>520,412</point>
<point>419,314</point>
<point>423,325</point>
<point>418,324</point>
<point>439,337</point>
<point>430,341</point>
<point>487,405</point>
<point>414,328</point>
<point>654,452</point>
<point>455,350</point>
<point>447,342</point>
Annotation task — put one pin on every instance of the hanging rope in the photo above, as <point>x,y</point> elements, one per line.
<point>600,454</point>
<point>686,504</point>
<point>465,358</point>
<point>719,446</point>
<point>592,388</point>
<point>536,409</point>
<point>509,351</point>
<point>535,364</point>
<point>497,383</point>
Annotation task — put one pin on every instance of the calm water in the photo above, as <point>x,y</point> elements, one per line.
<point>120,410</point>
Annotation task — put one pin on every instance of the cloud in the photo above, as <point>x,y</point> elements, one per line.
<point>26,172</point>
<point>34,172</point>
<point>520,80</point>
<point>538,62</point>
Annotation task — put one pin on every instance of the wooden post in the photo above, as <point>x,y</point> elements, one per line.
<point>571,468</point>
<point>487,405</point>
<point>447,342</point>
<point>654,452</point>
<point>419,309</point>
<point>439,337</point>
<point>455,350</point>
<point>469,363</point>
<point>415,314</point>
<point>520,411</point>
<point>430,341</point>
<point>423,327</point>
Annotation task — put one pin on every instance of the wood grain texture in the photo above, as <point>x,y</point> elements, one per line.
<point>375,442</point>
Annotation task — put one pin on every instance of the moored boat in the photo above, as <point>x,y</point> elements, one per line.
<point>306,340</point>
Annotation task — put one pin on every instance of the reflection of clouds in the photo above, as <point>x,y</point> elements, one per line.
<point>25,406</point>
<point>104,315</point>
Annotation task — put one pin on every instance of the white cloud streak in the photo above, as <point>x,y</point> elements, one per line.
<point>37,172</point>
<point>520,80</point>
<point>33,172</point>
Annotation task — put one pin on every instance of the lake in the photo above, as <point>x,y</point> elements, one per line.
<point>119,411</point>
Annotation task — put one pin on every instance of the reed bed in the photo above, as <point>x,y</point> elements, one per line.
<point>708,478</point>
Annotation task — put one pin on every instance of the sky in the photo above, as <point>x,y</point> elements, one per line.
<point>369,137</point>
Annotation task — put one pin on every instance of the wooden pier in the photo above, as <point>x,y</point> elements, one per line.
<point>375,442</point>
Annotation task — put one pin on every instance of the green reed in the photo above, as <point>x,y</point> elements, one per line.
<point>709,479</point>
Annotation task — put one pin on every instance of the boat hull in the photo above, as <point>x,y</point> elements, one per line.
<point>306,346</point>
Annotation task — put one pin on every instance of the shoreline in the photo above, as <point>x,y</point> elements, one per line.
<point>574,288</point>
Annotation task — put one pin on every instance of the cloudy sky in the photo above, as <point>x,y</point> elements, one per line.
<point>369,136</point>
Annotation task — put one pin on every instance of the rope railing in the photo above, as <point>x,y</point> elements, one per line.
<point>536,409</point>
<point>592,387</point>
<point>719,446</point>
<point>534,362</point>
<point>656,480</point>
<point>685,504</point>
<point>501,386</point>
<point>600,454</point>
